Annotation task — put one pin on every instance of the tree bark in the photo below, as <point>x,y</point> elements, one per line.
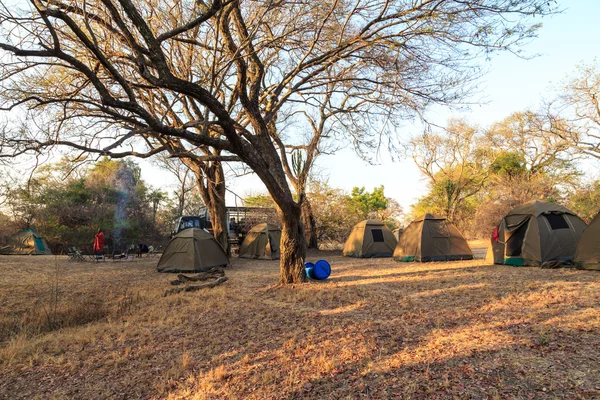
<point>310,225</point>
<point>292,245</point>
<point>210,179</point>
<point>218,219</point>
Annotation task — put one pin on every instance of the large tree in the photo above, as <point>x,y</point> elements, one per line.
<point>575,112</point>
<point>456,165</point>
<point>217,74</point>
<point>477,175</point>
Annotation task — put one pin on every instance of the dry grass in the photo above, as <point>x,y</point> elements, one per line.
<point>375,329</point>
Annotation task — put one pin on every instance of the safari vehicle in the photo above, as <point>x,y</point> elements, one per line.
<point>187,221</point>
<point>240,220</point>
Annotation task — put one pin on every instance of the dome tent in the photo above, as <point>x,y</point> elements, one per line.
<point>370,238</point>
<point>429,238</point>
<point>262,241</point>
<point>587,255</point>
<point>536,232</point>
<point>192,250</point>
<point>398,233</point>
<point>25,243</point>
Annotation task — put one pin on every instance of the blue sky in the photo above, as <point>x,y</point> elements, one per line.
<point>512,84</point>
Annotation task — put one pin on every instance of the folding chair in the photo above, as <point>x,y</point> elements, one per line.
<point>96,257</point>
<point>75,254</point>
<point>72,254</point>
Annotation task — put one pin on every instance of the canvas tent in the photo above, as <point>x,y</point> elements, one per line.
<point>262,241</point>
<point>192,250</point>
<point>495,252</point>
<point>26,242</point>
<point>536,232</point>
<point>397,233</point>
<point>370,238</point>
<point>587,255</point>
<point>429,238</point>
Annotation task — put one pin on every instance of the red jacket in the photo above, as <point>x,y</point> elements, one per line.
<point>496,235</point>
<point>99,242</point>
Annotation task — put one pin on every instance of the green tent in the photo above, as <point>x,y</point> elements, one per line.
<point>192,250</point>
<point>262,241</point>
<point>587,255</point>
<point>26,242</point>
<point>429,238</point>
<point>537,232</point>
<point>370,238</point>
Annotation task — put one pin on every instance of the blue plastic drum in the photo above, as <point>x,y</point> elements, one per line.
<point>319,270</point>
<point>308,267</point>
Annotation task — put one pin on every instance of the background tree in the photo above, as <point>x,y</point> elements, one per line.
<point>369,204</point>
<point>108,195</point>
<point>578,104</point>
<point>585,201</point>
<point>336,211</point>
<point>258,200</point>
<point>531,136</point>
<point>456,165</point>
<point>184,178</point>
<point>120,62</point>
<point>328,121</point>
<point>477,175</point>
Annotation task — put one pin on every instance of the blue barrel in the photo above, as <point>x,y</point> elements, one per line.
<point>308,267</point>
<point>319,270</point>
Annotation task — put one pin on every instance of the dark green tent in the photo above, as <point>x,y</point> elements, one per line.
<point>587,255</point>
<point>370,238</point>
<point>429,238</point>
<point>536,232</point>
<point>192,250</point>
<point>262,241</point>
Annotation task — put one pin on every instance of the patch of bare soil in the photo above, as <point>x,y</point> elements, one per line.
<point>376,329</point>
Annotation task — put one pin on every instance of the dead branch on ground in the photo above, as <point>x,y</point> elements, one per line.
<point>197,287</point>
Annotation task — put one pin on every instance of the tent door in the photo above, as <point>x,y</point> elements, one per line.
<point>514,244</point>
<point>39,245</point>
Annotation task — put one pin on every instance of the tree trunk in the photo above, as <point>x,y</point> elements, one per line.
<point>310,225</point>
<point>181,194</point>
<point>292,245</point>
<point>210,179</point>
<point>265,161</point>
<point>218,219</point>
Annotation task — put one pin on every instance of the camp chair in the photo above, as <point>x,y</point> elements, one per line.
<point>96,257</point>
<point>73,255</point>
<point>89,255</point>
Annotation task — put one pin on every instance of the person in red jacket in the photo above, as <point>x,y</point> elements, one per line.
<point>99,242</point>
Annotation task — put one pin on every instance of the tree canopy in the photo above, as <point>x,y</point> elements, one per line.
<point>477,174</point>
<point>109,195</point>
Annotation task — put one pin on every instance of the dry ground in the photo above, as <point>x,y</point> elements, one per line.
<point>376,329</point>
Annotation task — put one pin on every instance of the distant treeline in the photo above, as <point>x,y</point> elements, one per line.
<point>67,206</point>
